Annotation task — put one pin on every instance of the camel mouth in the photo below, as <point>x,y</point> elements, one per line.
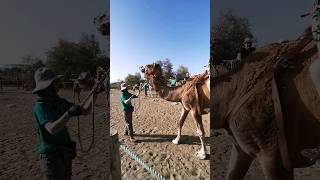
<point>148,69</point>
<point>142,69</point>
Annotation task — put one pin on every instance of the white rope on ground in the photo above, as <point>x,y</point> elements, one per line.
<point>133,156</point>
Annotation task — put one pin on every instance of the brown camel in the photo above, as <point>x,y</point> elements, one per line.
<point>85,82</point>
<point>270,108</point>
<point>102,23</point>
<point>194,96</point>
<point>81,83</point>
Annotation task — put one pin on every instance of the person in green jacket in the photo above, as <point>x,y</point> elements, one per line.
<point>52,113</point>
<point>127,109</point>
<point>146,88</point>
<point>315,66</point>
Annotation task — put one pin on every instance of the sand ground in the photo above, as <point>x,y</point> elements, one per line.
<point>155,126</point>
<point>220,154</point>
<point>18,158</point>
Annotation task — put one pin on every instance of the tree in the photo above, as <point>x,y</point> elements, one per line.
<point>68,58</point>
<point>32,63</point>
<point>30,59</point>
<point>167,68</point>
<point>133,79</point>
<point>228,36</point>
<point>181,72</point>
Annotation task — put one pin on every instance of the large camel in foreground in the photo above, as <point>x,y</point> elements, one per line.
<point>270,108</point>
<point>194,96</point>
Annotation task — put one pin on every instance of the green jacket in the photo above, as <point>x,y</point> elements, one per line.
<point>50,111</point>
<point>124,96</point>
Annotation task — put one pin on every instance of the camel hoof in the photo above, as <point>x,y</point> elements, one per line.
<point>201,155</point>
<point>175,141</point>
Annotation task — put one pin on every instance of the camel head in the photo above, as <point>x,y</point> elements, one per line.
<point>102,23</point>
<point>152,70</point>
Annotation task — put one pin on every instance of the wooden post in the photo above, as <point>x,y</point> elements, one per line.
<point>115,156</point>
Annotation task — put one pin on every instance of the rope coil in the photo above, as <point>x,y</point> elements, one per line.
<point>149,169</point>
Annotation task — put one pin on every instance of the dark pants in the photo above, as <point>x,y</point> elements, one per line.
<point>128,128</point>
<point>55,167</point>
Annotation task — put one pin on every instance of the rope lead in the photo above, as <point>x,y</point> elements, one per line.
<point>93,130</point>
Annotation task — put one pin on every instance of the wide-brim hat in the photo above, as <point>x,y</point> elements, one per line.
<point>123,86</point>
<point>44,78</point>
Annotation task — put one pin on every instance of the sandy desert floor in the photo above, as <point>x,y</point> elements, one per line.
<point>220,153</point>
<point>155,126</point>
<point>18,158</point>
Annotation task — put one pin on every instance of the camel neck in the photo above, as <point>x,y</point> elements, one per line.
<point>173,94</point>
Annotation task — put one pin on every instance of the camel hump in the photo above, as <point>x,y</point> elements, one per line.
<point>199,78</point>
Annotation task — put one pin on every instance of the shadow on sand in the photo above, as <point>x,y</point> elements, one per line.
<point>159,138</point>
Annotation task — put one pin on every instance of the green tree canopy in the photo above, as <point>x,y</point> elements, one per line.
<point>133,79</point>
<point>181,72</point>
<point>68,57</point>
<point>228,36</point>
<point>167,68</point>
<point>32,63</point>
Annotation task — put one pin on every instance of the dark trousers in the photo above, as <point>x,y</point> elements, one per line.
<point>55,167</point>
<point>128,128</point>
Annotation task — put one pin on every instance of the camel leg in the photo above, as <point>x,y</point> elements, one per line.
<point>272,167</point>
<point>239,164</point>
<point>180,123</point>
<point>201,133</point>
<point>150,92</point>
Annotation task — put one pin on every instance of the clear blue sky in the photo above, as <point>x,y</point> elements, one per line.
<point>34,26</point>
<point>143,31</point>
<point>271,20</point>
